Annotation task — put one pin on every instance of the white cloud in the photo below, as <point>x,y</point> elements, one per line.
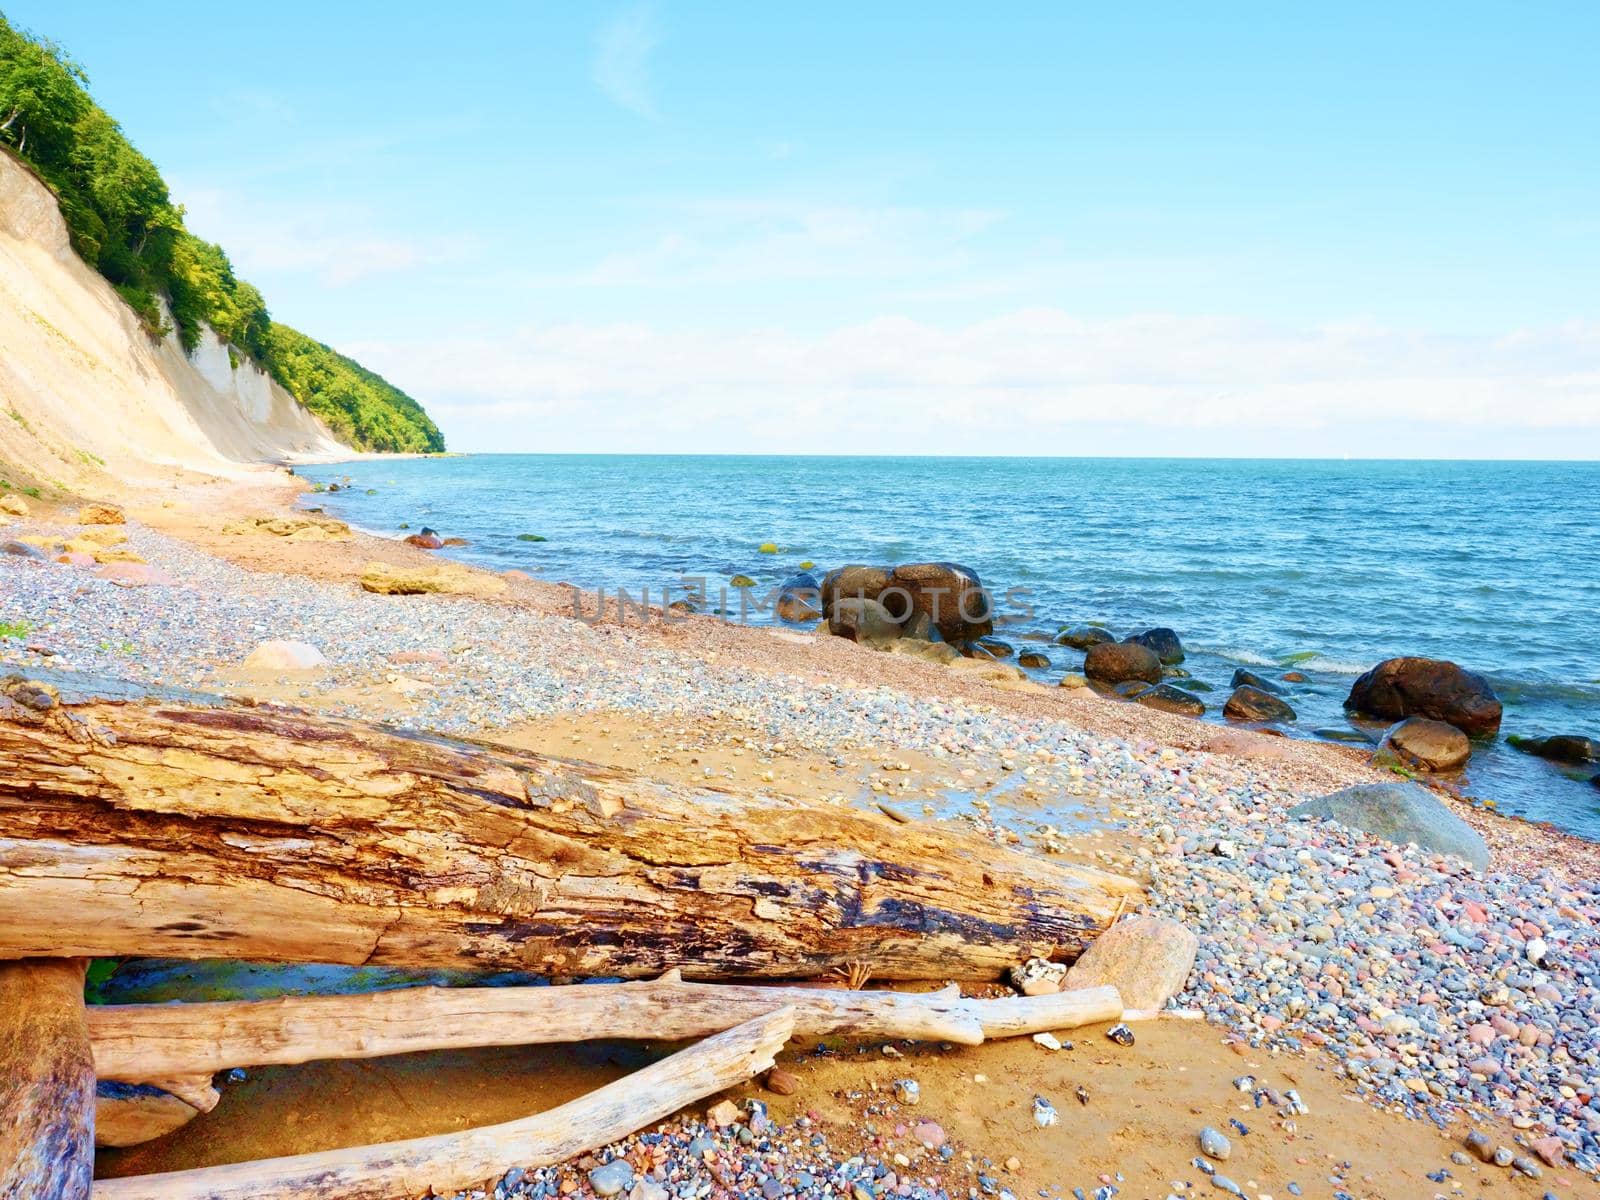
<point>334,243</point>
<point>760,245</point>
<point>1036,381</point>
<point>622,59</point>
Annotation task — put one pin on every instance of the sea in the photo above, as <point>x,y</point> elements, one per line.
<point>1322,567</point>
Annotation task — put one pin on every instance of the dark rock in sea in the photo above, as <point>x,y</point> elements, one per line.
<point>1426,744</point>
<point>1400,813</point>
<point>1563,747</point>
<point>1174,673</point>
<point>1343,735</point>
<point>1243,678</point>
<point>1163,641</point>
<point>1171,699</point>
<point>952,596</point>
<point>800,598</point>
<point>1033,658</point>
<point>1294,677</point>
<point>1082,637</point>
<point>531,537</point>
<point>1595,779</point>
<point>1197,685</point>
<point>1117,662</point>
<point>992,648</point>
<point>862,621</point>
<point>456,541</point>
<point>1253,704</point>
<point>1130,689</point>
<point>1427,687</point>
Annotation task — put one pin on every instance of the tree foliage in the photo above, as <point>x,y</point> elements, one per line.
<point>123,223</point>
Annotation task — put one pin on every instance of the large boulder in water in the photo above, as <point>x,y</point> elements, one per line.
<point>1401,813</point>
<point>950,595</point>
<point>1428,745</point>
<point>1563,747</point>
<point>1427,687</point>
<point>1163,641</point>
<point>923,598</point>
<point>1252,704</point>
<point>1120,662</point>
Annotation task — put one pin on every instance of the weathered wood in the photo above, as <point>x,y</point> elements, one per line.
<point>139,1043</point>
<point>453,1161</point>
<point>126,1114</point>
<point>181,829</point>
<point>46,1082</point>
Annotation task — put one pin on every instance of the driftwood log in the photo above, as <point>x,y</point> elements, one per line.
<point>142,1043</point>
<point>126,1114</point>
<point>452,1161</point>
<point>203,829</point>
<point>46,1082</point>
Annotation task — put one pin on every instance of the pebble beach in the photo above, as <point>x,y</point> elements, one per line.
<point>1436,993</point>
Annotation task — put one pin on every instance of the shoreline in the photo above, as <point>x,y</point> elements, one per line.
<point>756,707</point>
<point>1311,647</point>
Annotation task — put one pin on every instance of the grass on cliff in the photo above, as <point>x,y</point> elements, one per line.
<point>124,224</point>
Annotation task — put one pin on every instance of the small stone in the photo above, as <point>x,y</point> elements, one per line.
<point>1551,1149</point>
<point>908,1091</point>
<point>612,1178</point>
<point>1523,1165</point>
<point>722,1114</point>
<point>1121,1035</point>
<point>1503,1156</point>
<point>781,1082</point>
<point>1044,1113</point>
<point>929,1133</point>
<point>1048,1040</point>
<point>1214,1144</point>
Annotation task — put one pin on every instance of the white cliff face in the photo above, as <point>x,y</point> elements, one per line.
<point>82,383</point>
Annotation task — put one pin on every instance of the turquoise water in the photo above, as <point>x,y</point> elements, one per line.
<point>1326,566</point>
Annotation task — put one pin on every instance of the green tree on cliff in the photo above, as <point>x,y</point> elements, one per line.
<point>123,223</point>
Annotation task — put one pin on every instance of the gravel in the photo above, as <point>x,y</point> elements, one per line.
<point>1434,988</point>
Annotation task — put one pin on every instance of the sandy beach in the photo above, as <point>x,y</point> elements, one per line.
<point>1393,990</point>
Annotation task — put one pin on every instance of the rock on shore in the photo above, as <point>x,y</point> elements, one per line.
<point>1425,744</point>
<point>1401,813</point>
<point>1252,704</point>
<point>1122,662</point>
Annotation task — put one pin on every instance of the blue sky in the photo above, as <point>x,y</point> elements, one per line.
<point>1279,229</point>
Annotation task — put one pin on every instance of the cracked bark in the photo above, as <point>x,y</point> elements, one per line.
<point>46,1082</point>
<point>202,829</point>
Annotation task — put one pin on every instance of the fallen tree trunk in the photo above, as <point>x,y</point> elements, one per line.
<point>202,830</point>
<point>140,1043</point>
<point>452,1161</point>
<point>46,1083</point>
